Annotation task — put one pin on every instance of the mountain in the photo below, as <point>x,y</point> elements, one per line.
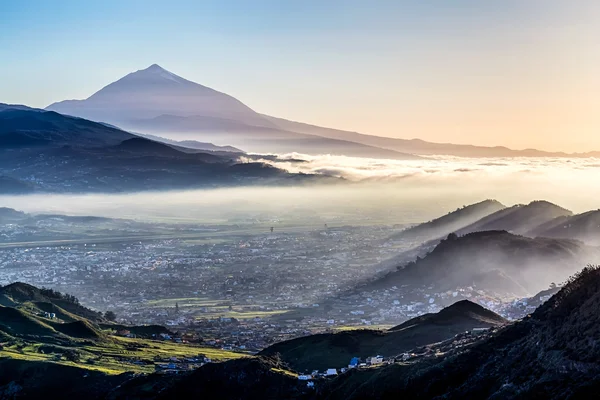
<point>584,227</point>
<point>451,222</point>
<point>493,261</point>
<point>519,219</point>
<point>155,91</point>
<point>548,355</point>
<point>418,146</point>
<point>154,100</point>
<point>43,151</point>
<point>335,350</point>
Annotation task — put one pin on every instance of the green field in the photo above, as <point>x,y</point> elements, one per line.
<point>243,314</point>
<point>188,302</point>
<point>118,355</point>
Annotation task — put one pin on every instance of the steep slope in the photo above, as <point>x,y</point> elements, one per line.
<point>495,261</point>
<point>550,355</point>
<point>451,222</point>
<point>584,227</point>
<point>518,219</point>
<point>336,350</point>
<point>155,91</point>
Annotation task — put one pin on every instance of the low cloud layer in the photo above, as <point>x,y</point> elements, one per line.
<point>382,191</point>
<point>360,169</point>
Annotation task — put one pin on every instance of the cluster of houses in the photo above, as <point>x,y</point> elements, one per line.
<point>174,365</point>
<point>355,362</point>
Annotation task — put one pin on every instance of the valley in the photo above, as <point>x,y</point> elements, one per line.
<point>299,200</point>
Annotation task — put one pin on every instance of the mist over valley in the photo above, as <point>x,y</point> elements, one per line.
<point>299,200</point>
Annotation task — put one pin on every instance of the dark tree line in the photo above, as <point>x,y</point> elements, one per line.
<point>53,294</point>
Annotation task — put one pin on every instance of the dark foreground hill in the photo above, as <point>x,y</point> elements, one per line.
<point>42,380</point>
<point>494,261</point>
<point>552,354</point>
<point>336,350</point>
<point>451,222</point>
<point>249,378</point>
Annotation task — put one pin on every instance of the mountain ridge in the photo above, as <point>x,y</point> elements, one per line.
<point>226,118</point>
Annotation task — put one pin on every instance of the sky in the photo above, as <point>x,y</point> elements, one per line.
<point>519,73</point>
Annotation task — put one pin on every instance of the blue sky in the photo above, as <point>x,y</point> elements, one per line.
<point>488,72</point>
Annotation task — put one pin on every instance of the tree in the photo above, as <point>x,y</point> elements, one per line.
<point>177,307</point>
<point>111,316</point>
<point>72,355</point>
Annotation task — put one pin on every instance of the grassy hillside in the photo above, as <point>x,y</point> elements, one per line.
<point>15,322</point>
<point>46,300</point>
<point>27,334</point>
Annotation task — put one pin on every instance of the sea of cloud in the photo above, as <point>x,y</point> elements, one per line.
<point>394,191</point>
<point>361,169</point>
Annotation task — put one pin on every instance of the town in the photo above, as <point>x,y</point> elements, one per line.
<point>239,291</point>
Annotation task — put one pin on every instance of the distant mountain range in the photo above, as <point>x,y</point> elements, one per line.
<point>335,350</point>
<point>45,151</point>
<point>538,218</point>
<point>518,219</point>
<point>488,234</point>
<point>156,101</point>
